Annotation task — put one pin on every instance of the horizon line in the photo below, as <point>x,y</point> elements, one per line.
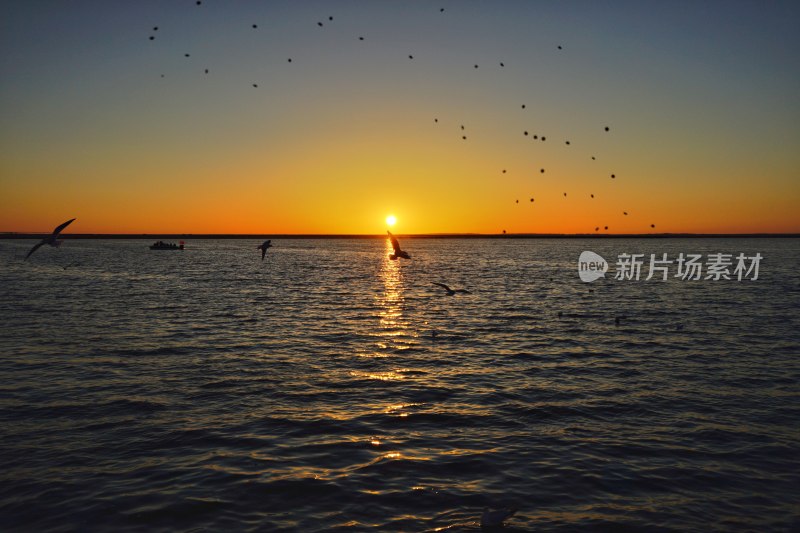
<point>36,235</point>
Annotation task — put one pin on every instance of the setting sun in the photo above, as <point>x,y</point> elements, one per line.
<point>391,220</point>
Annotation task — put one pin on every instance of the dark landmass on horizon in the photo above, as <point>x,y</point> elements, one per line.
<point>187,236</point>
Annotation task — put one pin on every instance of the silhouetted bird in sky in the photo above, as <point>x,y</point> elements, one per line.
<point>451,292</point>
<point>396,247</point>
<point>264,246</point>
<point>51,239</point>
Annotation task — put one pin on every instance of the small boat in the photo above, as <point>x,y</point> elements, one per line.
<point>161,245</point>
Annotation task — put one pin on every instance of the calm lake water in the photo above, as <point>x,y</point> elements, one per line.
<point>328,388</point>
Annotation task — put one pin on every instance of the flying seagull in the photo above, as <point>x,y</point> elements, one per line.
<point>493,519</point>
<point>450,292</point>
<point>264,246</point>
<point>397,251</point>
<point>51,239</point>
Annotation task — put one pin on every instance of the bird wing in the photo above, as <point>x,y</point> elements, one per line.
<point>35,247</point>
<point>496,517</point>
<point>465,291</point>
<point>263,252</point>
<point>61,227</point>
<point>395,244</point>
<point>442,285</point>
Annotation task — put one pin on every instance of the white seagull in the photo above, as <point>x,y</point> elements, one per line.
<point>451,292</point>
<point>397,251</point>
<point>495,519</point>
<point>51,239</point>
<point>266,244</point>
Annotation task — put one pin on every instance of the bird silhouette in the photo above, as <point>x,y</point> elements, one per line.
<point>396,247</point>
<point>495,518</point>
<point>51,239</point>
<point>449,291</point>
<point>264,246</point>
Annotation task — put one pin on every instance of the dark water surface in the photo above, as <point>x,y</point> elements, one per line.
<point>328,388</point>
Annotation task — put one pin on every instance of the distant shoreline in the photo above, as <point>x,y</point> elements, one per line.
<point>187,236</point>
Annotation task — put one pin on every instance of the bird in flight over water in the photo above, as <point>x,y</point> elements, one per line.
<point>450,292</point>
<point>266,244</point>
<point>494,518</point>
<point>397,251</point>
<point>51,239</point>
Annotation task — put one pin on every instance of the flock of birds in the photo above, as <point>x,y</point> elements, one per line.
<point>526,133</point>
<point>53,240</point>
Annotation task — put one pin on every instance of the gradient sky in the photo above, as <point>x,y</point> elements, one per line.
<point>128,135</point>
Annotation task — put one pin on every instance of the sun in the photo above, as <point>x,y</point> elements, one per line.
<point>391,220</point>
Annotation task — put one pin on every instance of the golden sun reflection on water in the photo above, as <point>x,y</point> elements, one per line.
<point>391,300</point>
<point>393,329</point>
